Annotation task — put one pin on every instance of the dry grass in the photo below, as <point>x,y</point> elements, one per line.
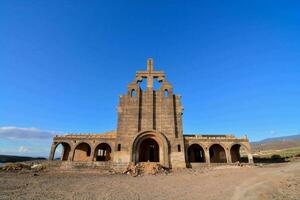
<point>285,153</point>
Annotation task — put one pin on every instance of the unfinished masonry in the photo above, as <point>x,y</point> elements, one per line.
<point>149,129</point>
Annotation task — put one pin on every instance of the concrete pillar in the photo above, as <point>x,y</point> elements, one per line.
<point>52,151</point>
<point>228,155</point>
<point>207,157</point>
<point>62,153</point>
<point>92,154</point>
<point>250,158</point>
<point>71,154</point>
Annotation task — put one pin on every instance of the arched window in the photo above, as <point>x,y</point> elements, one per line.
<point>166,93</point>
<point>133,93</point>
<point>119,147</point>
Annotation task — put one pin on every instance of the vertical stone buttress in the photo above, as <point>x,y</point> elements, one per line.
<point>150,110</point>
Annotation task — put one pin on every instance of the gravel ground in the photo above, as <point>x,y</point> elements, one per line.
<point>274,181</point>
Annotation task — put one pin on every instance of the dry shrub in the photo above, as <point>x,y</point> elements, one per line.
<point>275,157</point>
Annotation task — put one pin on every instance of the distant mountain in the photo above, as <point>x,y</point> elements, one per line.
<point>283,138</point>
<point>276,143</point>
<point>8,158</point>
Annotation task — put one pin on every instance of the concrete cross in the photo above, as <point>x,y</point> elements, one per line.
<point>150,74</point>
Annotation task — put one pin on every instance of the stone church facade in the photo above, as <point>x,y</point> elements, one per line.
<point>149,129</point>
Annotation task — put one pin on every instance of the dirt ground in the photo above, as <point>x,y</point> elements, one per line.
<point>273,181</point>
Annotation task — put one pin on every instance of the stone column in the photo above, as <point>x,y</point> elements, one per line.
<point>52,151</point>
<point>62,153</point>
<point>228,155</point>
<point>71,154</point>
<point>250,158</point>
<point>207,157</point>
<point>92,154</point>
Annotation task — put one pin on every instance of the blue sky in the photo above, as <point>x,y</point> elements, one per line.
<point>63,65</point>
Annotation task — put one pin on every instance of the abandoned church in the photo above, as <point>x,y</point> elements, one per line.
<point>149,129</point>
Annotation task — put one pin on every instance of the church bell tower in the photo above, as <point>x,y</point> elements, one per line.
<point>149,111</point>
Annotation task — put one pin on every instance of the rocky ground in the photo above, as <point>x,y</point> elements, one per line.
<point>273,181</point>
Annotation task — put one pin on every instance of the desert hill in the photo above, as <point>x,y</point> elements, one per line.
<point>276,143</point>
<point>9,158</point>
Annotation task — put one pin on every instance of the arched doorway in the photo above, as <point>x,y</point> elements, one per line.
<point>82,152</point>
<point>62,151</point>
<point>217,154</point>
<point>152,146</point>
<point>102,152</point>
<point>149,151</point>
<point>196,153</point>
<point>238,153</point>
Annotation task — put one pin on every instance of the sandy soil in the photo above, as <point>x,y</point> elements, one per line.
<point>275,181</point>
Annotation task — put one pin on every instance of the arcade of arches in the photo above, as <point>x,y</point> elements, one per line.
<point>217,154</point>
<point>149,151</point>
<point>82,152</point>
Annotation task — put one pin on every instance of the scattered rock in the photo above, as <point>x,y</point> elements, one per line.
<point>145,168</point>
<point>15,166</point>
<point>23,166</point>
<point>38,167</point>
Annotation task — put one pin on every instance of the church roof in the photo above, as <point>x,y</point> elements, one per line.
<point>111,134</point>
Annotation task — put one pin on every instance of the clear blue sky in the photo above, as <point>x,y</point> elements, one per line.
<point>63,65</point>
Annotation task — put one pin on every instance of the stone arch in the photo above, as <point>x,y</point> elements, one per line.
<point>82,152</point>
<point>217,153</point>
<point>235,150</point>
<point>196,153</point>
<point>66,149</point>
<point>133,93</point>
<point>149,151</point>
<point>166,92</point>
<point>102,152</point>
<point>155,137</point>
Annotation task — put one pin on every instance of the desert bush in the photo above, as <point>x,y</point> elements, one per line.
<point>275,157</point>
